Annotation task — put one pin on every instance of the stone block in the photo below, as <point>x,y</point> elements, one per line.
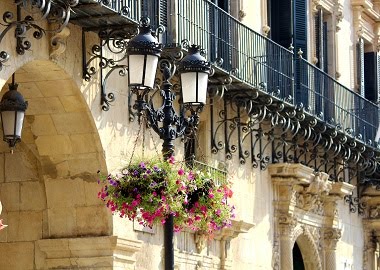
<point>2,173</point>
<point>32,196</point>
<point>20,166</point>
<point>17,256</point>
<point>56,87</point>
<point>53,145</point>
<point>45,105</point>
<point>83,143</point>
<point>84,163</point>
<point>94,220</point>
<point>27,135</point>
<point>72,123</point>
<point>73,103</point>
<point>24,226</point>
<point>62,222</point>
<point>64,193</point>
<point>33,76</point>
<point>105,252</point>
<point>10,196</point>
<point>91,190</point>
<point>43,125</point>
<point>56,74</point>
<point>29,90</point>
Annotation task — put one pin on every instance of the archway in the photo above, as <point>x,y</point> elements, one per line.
<point>48,187</point>
<point>298,263</point>
<point>305,251</point>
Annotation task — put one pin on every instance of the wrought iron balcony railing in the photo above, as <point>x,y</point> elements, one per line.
<point>262,64</point>
<point>252,58</point>
<point>219,176</point>
<point>334,103</point>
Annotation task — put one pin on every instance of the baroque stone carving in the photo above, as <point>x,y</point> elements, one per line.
<point>310,199</point>
<point>331,237</point>
<point>200,241</point>
<point>58,43</point>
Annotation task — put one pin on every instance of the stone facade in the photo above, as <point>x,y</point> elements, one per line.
<point>48,186</point>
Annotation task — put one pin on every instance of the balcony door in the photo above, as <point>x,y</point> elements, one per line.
<point>288,23</point>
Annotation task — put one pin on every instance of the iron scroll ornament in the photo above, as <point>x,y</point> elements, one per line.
<point>55,12</point>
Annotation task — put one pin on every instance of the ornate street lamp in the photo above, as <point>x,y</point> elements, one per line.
<point>12,111</point>
<point>143,53</point>
<point>194,70</point>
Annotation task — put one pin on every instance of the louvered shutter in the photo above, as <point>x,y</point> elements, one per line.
<point>325,56</point>
<point>370,76</point>
<point>281,22</point>
<point>360,65</point>
<point>318,37</point>
<point>300,42</point>
<point>300,26</point>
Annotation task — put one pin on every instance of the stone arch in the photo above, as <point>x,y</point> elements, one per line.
<point>48,187</point>
<point>308,247</point>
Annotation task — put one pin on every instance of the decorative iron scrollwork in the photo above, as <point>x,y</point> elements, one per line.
<point>55,12</point>
<point>267,130</point>
<point>107,57</point>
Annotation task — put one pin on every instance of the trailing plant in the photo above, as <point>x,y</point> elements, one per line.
<point>150,190</point>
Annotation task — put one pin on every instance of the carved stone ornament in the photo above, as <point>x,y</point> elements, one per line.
<point>331,237</point>
<point>266,30</point>
<point>242,14</point>
<point>200,241</point>
<point>58,43</point>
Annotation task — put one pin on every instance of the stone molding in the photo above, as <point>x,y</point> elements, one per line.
<point>366,17</point>
<point>305,211</point>
<point>105,252</point>
<point>371,225</point>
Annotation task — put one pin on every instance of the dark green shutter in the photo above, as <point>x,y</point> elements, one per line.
<point>281,22</point>
<point>371,76</point>
<point>163,14</point>
<point>300,26</point>
<point>325,56</point>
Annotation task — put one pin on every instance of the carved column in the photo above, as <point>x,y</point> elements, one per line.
<point>286,229</point>
<point>330,241</point>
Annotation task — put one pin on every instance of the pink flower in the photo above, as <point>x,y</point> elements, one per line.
<point>171,160</point>
<point>218,212</point>
<point>181,172</point>
<point>163,221</point>
<point>211,196</point>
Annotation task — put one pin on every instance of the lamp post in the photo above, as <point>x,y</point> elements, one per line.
<point>143,53</point>
<point>12,111</point>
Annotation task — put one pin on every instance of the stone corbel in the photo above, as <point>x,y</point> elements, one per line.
<point>58,43</point>
<point>358,21</point>
<point>225,236</point>
<point>315,6</point>
<point>338,12</point>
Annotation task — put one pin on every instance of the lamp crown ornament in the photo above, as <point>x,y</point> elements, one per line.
<point>194,61</point>
<point>13,100</point>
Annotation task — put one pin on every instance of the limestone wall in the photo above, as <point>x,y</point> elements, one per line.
<point>48,186</point>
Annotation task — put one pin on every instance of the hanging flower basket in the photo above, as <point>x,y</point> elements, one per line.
<point>150,190</point>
